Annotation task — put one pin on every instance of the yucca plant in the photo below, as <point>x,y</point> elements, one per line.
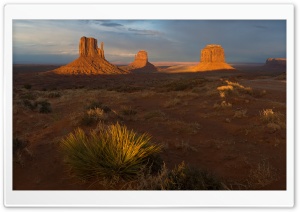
<point>112,152</point>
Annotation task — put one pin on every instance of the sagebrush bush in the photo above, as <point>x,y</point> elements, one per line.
<point>182,177</point>
<point>44,106</point>
<point>92,116</point>
<point>112,152</point>
<point>27,86</point>
<point>19,144</point>
<point>269,116</point>
<point>97,104</point>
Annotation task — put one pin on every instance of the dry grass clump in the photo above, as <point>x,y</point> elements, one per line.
<point>42,106</point>
<point>185,146</point>
<point>272,119</point>
<point>183,127</point>
<point>262,175</point>
<point>240,113</point>
<point>222,105</point>
<point>53,95</point>
<point>182,84</point>
<point>92,116</point>
<point>233,88</point>
<point>127,113</point>
<point>182,177</point>
<point>172,102</point>
<point>155,114</point>
<point>111,152</point>
<point>269,116</point>
<point>240,87</point>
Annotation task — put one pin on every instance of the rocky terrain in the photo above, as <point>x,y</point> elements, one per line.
<point>91,61</point>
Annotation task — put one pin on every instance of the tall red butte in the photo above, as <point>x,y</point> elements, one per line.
<point>212,58</point>
<point>91,61</point>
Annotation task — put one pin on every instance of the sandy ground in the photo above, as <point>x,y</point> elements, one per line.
<point>187,113</point>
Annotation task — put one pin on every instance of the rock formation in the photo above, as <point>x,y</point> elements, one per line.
<point>276,62</point>
<point>212,58</point>
<point>141,64</point>
<point>91,60</point>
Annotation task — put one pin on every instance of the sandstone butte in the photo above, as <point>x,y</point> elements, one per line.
<point>91,61</point>
<point>276,62</point>
<point>212,58</point>
<point>141,64</point>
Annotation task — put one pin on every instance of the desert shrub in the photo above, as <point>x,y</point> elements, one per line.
<point>27,86</point>
<point>92,116</point>
<point>54,95</point>
<point>44,106</point>
<point>112,152</point>
<point>155,114</point>
<point>240,113</point>
<point>185,177</point>
<point>222,105</point>
<point>181,84</point>
<point>233,88</point>
<point>258,93</point>
<point>185,146</point>
<point>29,95</point>
<point>29,104</point>
<point>126,88</point>
<point>19,144</point>
<point>269,116</point>
<point>128,111</point>
<point>97,104</point>
<point>182,177</point>
<point>261,175</point>
<point>172,102</point>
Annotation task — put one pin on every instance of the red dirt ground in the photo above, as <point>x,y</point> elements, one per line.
<point>176,111</point>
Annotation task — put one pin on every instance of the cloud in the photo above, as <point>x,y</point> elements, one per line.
<point>260,27</point>
<point>144,32</point>
<point>111,24</point>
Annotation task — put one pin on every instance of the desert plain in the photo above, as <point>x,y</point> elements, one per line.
<point>229,123</point>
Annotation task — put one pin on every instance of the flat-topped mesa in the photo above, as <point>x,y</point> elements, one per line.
<point>141,63</point>
<point>276,62</point>
<point>212,53</point>
<point>91,60</point>
<point>212,57</point>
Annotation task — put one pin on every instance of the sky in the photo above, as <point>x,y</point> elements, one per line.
<point>57,41</point>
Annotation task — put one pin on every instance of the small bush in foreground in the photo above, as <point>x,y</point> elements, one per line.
<point>27,86</point>
<point>97,104</point>
<point>19,144</point>
<point>44,106</point>
<point>262,175</point>
<point>113,152</point>
<point>182,177</point>
<point>92,116</point>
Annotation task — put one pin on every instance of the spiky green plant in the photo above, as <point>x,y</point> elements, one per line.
<point>112,152</point>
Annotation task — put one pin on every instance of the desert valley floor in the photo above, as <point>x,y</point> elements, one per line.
<point>230,123</point>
